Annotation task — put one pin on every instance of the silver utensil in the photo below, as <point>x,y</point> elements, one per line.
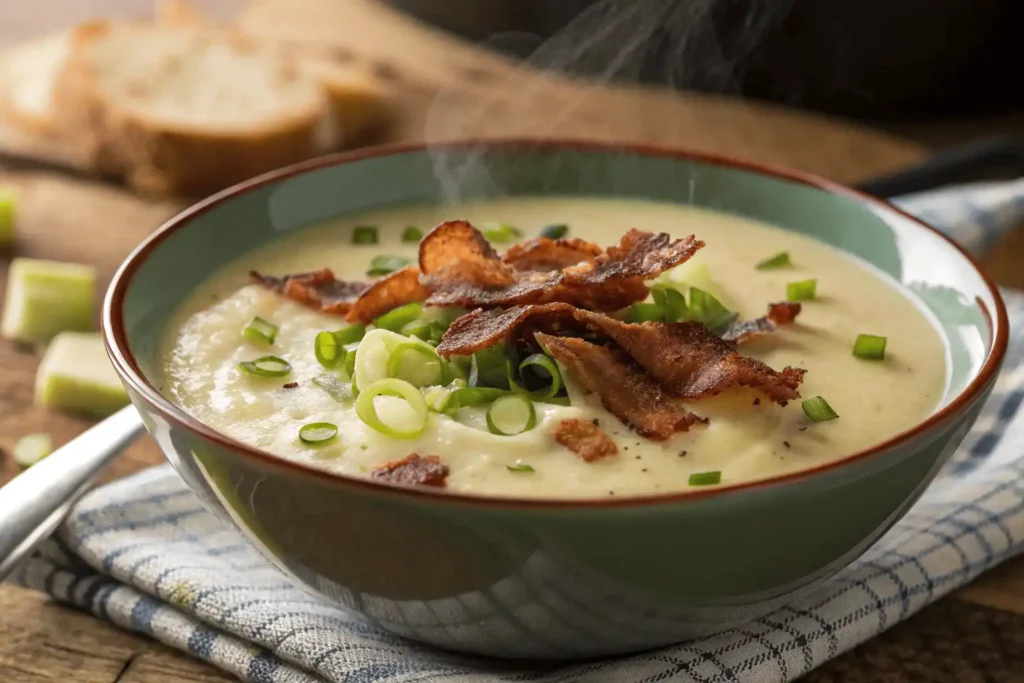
<point>35,502</point>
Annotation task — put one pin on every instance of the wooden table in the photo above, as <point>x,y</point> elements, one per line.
<point>438,79</point>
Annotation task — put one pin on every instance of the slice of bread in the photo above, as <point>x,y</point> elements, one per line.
<point>186,109</point>
<point>27,75</point>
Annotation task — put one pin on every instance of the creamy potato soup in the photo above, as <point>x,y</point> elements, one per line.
<point>857,392</point>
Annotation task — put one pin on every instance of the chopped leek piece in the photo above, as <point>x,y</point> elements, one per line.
<point>511,415</point>
<point>520,467</point>
<point>397,318</point>
<point>412,234</point>
<point>780,260</point>
<point>328,352</point>
<point>382,265</point>
<point>437,398</point>
<point>267,366</point>
<point>555,232</point>
<point>422,329</point>
<point>501,233</point>
<point>76,376</point>
<point>676,308</point>
<point>544,367</point>
<point>707,309</point>
<point>335,388</point>
<point>705,478</point>
<point>350,359</point>
<point>472,396</point>
<point>7,205</point>
<point>350,334</point>
<point>318,433</point>
<point>47,297</point>
<point>260,331</point>
<point>869,347</point>
<point>366,408</point>
<point>489,368</point>
<point>804,290</point>
<point>819,410</point>
<point>643,313</point>
<point>32,448</point>
<point>364,234</point>
<point>417,364</point>
<point>369,363</point>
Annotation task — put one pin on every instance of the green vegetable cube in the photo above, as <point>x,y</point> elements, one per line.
<point>47,297</point>
<point>76,376</point>
<point>7,203</point>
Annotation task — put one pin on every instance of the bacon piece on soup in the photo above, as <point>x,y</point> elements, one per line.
<point>778,314</point>
<point>319,289</point>
<point>456,253</point>
<point>544,254</point>
<point>625,390</point>
<point>483,328</point>
<point>396,289</point>
<point>691,362</point>
<point>585,439</point>
<point>414,470</point>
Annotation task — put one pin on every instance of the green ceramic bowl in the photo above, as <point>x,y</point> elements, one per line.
<point>553,579</point>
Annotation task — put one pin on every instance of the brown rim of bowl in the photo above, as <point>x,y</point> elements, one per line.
<point>116,341</point>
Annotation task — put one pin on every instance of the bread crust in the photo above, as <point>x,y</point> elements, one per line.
<point>165,157</point>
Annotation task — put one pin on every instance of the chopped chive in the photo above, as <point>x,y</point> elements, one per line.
<point>382,265</point>
<point>643,313</point>
<point>260,331</point>
<point>350,334</point>
<point>364,234</point>
<point>707,309</point>
<point>676,308</point>
<point>366,410</point>
<point>501,233</point>
<point>489,368</point>
<point>804,290</point>
<point>268,366</point>
<point>819,410</point>
<point>869,347</point>
<point>519,467</point>
<point>780,260</point>
<point>397,318</point>
<point>317,433</point>
<point>511,415</point>
<point>412,234</point>
<point>705,478</point>
<point>32,448</point>
<point>465,397</point>
<point>555,232</point>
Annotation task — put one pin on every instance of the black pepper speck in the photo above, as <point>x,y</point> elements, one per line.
<point>638,457</point>
<point>802,429</point>
<point>290,385</point>
<point>644,469</point>
<point>757,401</point>
<point>596,421</point>
<point>611,493</point>
<point>786,444</point>
<point>682,454</point>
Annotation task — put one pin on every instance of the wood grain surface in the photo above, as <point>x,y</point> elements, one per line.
<point>442,89</point>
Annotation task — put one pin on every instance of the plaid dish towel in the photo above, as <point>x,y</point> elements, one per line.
<point>149,558</point>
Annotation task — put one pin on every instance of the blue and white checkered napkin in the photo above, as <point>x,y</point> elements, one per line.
<point>144,554</point>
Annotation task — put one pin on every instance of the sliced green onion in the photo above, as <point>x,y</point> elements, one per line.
<point>658,294</point>
<point>511,415</point>
<point>543,366</point>
<point>675,306</point>
<point>417,364</point>
<point>350,334</point>
<point>555,232</point>
<point>819,410</point>
<point>472,396</point>
<point>804,290</point>
<point>364,234</point>
<point>7,207</point>
<point>519,467</point>
<point>327,350</point>
<point>397,318</point>
<point>260,331</point>
<point>489,368</point>
<point>501,234</point>
<point>268,366</point>
<point>869,347</point>
<point>32,448</point>
<point>367,410</point>
<point>437,398</point>
<point>318,433</point>
<point>425,330</point>
<point>705,478</point>
<point>780,260</point>
<point>382,265</point>
<point>350,358</point>
<point>644,313</point>
<point>335,388</point>
<point>709,310</point>
<point>412,234</point>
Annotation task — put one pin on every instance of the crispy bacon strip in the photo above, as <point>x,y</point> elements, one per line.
<point>625,390</point>
<point>396,289</point>
<point>413,470</point>
<point>461,269</point>
<point>544,254</point>
<point>319,289</point>
<point>482,329</point>
<point>585,439</point>
<point>691,362</point>
<point>778,314</point>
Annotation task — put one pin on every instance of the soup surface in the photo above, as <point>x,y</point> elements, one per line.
<point>747,437</point>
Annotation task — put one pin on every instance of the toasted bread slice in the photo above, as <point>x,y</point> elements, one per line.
<point>184,109</point>
<point>27,75</point>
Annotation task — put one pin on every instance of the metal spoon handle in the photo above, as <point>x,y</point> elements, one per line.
<point>35,502</point>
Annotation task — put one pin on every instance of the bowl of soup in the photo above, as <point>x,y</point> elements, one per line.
<point>553,400</point>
